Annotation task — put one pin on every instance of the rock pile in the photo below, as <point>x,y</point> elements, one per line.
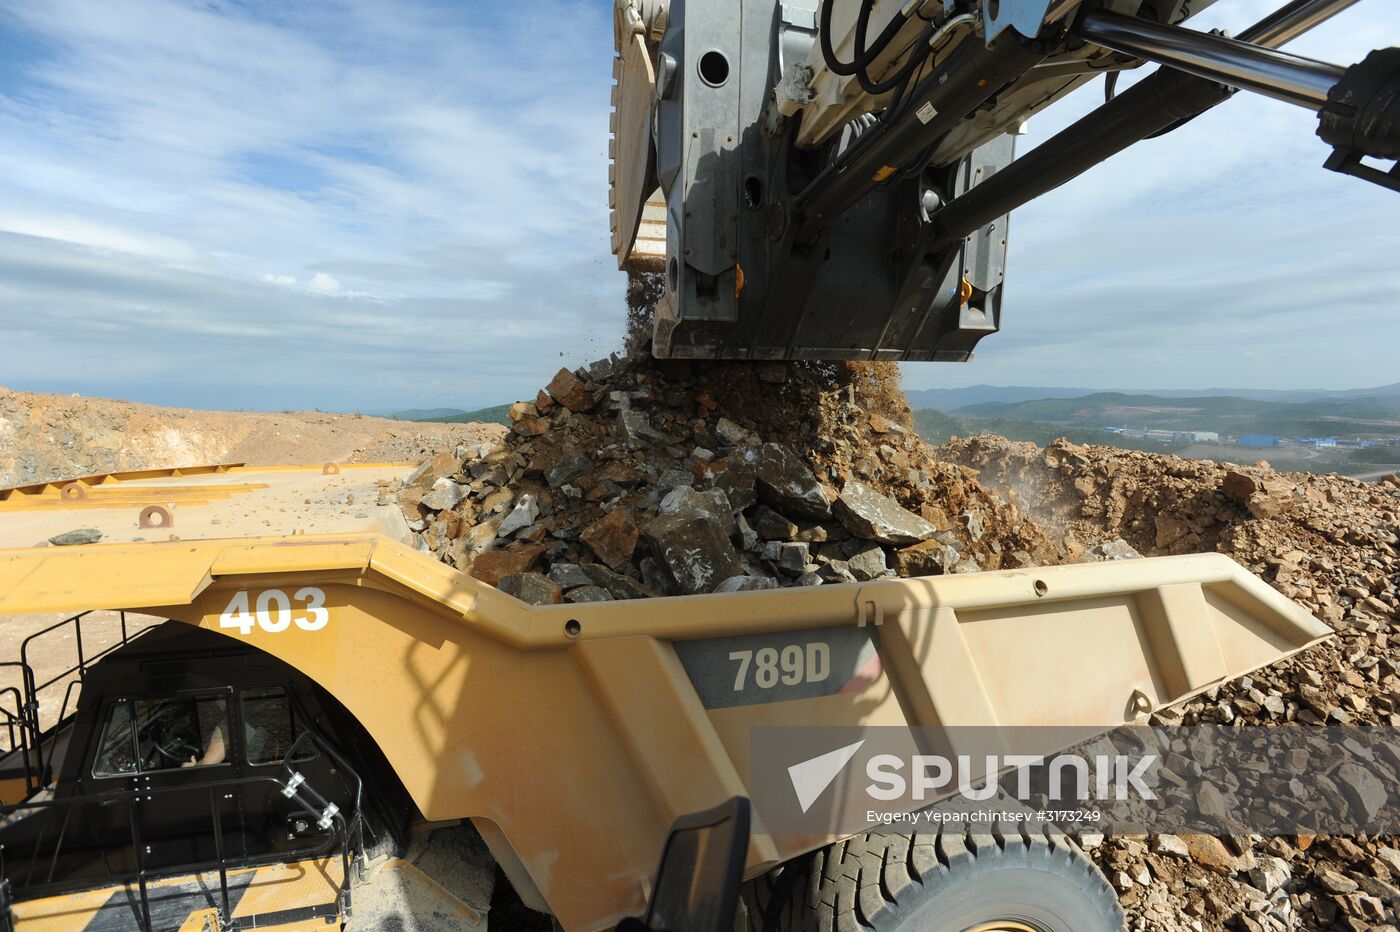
<point>1328,542</point>
<point>632,478</point>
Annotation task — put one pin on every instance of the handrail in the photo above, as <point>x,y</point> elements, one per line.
<point>18,721</point>
<point>339,830</point>
<point>28,692</point>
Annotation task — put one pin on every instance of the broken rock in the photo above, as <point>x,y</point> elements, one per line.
<point>588,594</point>
<point>714,503</point>
<point>445,494</point>
<point>612,538</point>
<point>534,588</point>
<point>772,526</point>
<point>492,566</point>
<point>526,510</point>
<point>571,466</point>
<point>786,483</point>
<point>568,389</point>
<point>868,514</point>
<point>617,585</point>
<point>746,584</point>
<point>693,551</point>
<point>83,535</point>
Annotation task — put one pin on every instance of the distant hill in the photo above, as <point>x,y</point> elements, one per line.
<point>1373,415</point>
<point>498,414</point>
<point>426,414</point>
<point>954,399</point>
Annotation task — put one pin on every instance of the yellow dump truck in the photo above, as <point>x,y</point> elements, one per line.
<point>319,718</point>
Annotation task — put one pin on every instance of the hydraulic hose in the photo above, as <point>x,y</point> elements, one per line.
<point>863,56</point>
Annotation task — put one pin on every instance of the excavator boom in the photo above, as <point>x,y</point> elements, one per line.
<point>832,179</point>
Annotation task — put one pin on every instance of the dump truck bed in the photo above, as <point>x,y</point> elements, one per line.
<point>573,735</point>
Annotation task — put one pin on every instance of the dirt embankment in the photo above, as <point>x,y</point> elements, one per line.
<point>45,437</point>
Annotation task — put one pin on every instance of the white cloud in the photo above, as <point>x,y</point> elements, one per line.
<point>241,203</point>
<point>323,282</point>
<point>369,183</point>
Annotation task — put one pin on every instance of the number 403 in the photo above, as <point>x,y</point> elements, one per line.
<point>273,612</point>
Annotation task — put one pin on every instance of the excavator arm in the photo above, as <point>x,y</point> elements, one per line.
<point>832,179</point>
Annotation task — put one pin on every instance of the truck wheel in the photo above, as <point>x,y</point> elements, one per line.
<point>927,882</point>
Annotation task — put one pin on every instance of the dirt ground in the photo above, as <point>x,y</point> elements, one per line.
<point>44,437</point>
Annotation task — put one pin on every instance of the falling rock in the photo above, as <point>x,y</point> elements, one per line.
<point>445,494</point>
<point>568,389</point>
<point>492,566</point>
<point>83,535</point>
<point>787,485</point>
<point>692,549</point>
<point>588,594</point>
<point>571,466</point>
<point>872,516</point>
<point>746,584</point>
<point>612,538</point>
<point>526,510</point>
<point>1363,789</point>
<point>534,588</point>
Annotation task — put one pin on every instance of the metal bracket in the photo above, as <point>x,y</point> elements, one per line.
<point>155,516</point>
<point>328,816</point>
<point>1025,16</point>
<point>1349,163</point>
<point>868,611</point>
<point>293,783</point>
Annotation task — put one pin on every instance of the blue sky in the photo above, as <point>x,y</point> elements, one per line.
<point>385,204</point>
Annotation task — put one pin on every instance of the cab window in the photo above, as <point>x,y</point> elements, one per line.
<point>270,726</point>
<point>147,735</point>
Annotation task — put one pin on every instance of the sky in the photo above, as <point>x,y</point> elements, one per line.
<point>381,204</point>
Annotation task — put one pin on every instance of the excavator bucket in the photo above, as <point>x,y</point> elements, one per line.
<point>573,736</point>
<point>702,181</point>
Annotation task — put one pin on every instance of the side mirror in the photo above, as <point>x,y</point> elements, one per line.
<point>702,865</point>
